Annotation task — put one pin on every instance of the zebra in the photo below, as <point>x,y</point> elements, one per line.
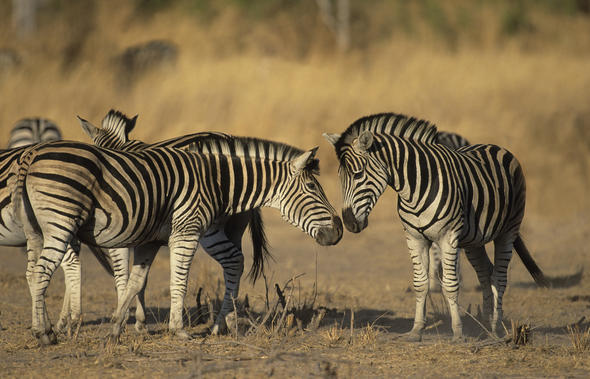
<point>453,141</point>
<point>113,198</point>
<point>33,130</point>
<point>27,132</point>
<point>459,199</point>
<point>222,241</point>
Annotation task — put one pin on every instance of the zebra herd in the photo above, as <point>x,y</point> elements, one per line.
<point>205,188</point>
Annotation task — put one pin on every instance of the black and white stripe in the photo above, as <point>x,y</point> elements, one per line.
<point>27,132</point>
<point>453,141</point>
<point>222,241</point>
<point>33,130</point>
<point>456,198</point>
<point>115,199</point>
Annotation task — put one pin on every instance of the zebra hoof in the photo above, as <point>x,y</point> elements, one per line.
<point>140,327</point>
<point>458,340</point>
<point>47,339</point>
<point>182,335</point>
<point>413,337</point>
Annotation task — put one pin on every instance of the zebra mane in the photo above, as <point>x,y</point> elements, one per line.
<point>227,144</point>
<point>115,123</point>
<point>409,128</point>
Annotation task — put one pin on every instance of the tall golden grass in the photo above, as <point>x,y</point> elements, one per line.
<point>529,93</point>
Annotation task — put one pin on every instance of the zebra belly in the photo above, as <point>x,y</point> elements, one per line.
<point>99,232</point>
<point>11,234</point>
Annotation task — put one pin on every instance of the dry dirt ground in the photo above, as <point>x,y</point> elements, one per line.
<point>367,275</point>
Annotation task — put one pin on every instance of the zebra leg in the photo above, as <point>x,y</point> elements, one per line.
<point>72,310</point>
<point>50,257</point>
<point>119,259</point>
<point>483,268</point>
<point>34,248</point>
<point>435,269</point>
<point>227,252</point>
<point>143,257</point>
<point>502,255</point>
<point>450,285</point>
<point>140,326</point>
<point>119,263</point>
<point>419,247</point>
<point>182,251</point>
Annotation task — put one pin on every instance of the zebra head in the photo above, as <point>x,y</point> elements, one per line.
<point>303,203</point>
<point>362,177</point>
<point>114,133</point>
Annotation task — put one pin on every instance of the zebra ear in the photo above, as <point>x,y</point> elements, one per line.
<point>90,129</point>
<point>304,160</point>
<point>364,141</point>
<point>332,138</point>
<point>130,125</point>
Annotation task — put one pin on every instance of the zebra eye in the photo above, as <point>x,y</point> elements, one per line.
<point>358,175</point>
<point>311,186</point>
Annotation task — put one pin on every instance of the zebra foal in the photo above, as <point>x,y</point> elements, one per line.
<point>155,196</point>
<point>458,199</point>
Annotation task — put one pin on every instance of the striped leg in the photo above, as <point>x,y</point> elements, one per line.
<point>72,309</point>
<point>450,285</point>
<point>435,269</point>
<point>182,251</point>
<point>120,264</point>
<point>49,259</point>
<point>143,257</point>
<point>502,254</point>
<point>483,268</point>
<point>419,247</point>
<point>223,243</point>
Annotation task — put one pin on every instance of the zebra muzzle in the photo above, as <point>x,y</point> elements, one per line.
<point>352,224</point>
<point>330,235</point>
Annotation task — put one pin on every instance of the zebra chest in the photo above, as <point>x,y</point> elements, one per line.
<point>427,222</point>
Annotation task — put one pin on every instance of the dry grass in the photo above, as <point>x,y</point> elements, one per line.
<point>579,337</point>
<point>531,101</point>
<point>529,93</point>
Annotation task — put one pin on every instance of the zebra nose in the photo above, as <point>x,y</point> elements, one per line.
<point>330,235</point>
<point>351,223</point>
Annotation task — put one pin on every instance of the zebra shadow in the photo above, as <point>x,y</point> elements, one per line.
<point>561,281</point>
<point>385,321</point>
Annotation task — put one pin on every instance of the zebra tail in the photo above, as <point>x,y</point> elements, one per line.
<point>529,263</point>
<point>259,244</point>
<point>20,196</point>
<point>103,258</point>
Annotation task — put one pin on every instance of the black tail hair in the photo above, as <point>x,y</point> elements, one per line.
<point>529,263</point>
<point>20,197</point>
<point>259,244</point>
<point>103,258</point>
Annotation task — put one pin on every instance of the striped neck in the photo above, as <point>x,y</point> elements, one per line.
<point>410,166</point>
<point>243,183</point>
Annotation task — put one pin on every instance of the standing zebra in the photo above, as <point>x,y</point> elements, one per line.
<point>27,132</point>
<point>113,199</point>
<point>222,241</point>
<point>33,130</point>
<point>459,199</point>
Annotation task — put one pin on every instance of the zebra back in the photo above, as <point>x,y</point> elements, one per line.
<point>33,130</point>
<point>114,134</point>
<point>451,140</point>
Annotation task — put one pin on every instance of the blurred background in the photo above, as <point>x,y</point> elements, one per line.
<point>510,72</point>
